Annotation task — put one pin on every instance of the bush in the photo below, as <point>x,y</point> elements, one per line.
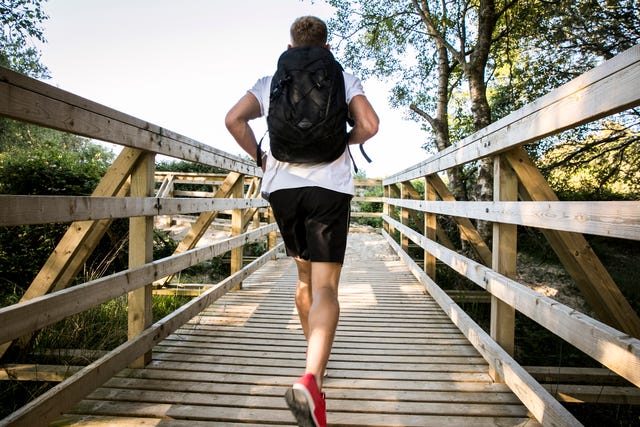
<point>45,162</point>
<point>369,207</point>
<point>58,165</point>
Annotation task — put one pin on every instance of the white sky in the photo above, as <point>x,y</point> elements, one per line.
<point>182,65</point>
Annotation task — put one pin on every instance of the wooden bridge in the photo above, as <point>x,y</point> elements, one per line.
<point>405,354</point>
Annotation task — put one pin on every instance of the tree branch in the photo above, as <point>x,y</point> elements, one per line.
<point>423,114</point>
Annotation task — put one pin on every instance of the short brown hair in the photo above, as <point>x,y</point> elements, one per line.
<point>308,31</point>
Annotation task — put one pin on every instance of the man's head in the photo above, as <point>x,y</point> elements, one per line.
<point>308,31</point>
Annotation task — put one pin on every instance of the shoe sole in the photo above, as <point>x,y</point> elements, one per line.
<point>299,405</point>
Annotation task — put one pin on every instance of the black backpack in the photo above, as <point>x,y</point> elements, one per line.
<point>308,112</point>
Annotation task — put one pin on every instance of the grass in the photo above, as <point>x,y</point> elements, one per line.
<point>100,328</point>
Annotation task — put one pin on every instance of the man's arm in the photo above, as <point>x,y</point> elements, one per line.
<point>237,122</point>
<point>365,118</point>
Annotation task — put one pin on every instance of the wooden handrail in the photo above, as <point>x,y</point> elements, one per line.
<point>55,402</point>
<point>542,405</point>
<point>607,89</point>
<point>32,315</point>
<point>23,210</point>
<point>610,88</point>
<point>33,101</point>
<point>622,353</point>
<point>132,174</point>
<point>620,219</point>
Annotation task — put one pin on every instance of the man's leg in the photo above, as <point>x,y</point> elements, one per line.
<point>323,316</point>
<point>303,293</point>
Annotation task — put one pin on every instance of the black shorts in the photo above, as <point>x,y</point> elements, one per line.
<point>313,221</point>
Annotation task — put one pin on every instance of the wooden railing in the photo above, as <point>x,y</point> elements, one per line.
<point>132,189</point>
<point>523,197</point>
<point>127,190</point>
<point>166,183</point>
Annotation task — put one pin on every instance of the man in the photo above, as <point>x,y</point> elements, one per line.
<point>311,204</point>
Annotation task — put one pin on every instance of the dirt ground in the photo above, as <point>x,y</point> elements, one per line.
<point>179,229</point>
<point>552,281</point>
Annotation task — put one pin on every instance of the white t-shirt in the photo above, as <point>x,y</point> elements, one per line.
<point>335,175</point>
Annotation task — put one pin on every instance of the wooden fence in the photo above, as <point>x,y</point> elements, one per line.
<point>523,197</point>
<point>132,189</point>
<point>127,190</point>
<point>195,184</point>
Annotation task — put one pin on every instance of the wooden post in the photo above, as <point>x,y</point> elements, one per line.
<point>505,184</point>
<point>394,193</point>
<point>272,236</point>
<point>430,229</point>
<point>237,227</point>
<point>140,253</point>
<point>170,191</point>
<point>404,215</point>
<point>385,208</point>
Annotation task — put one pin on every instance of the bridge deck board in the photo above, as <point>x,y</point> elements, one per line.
<point>397,359</point>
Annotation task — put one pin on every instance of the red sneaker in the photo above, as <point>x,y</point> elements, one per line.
<point>307,403</point>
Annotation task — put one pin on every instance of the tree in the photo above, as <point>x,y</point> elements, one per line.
<point>597,29</point>
<point>451,42</point>
<point>20,22</point>
<point>389,40</point>
<point>597,161</point>
<point>45,162</point>
<point>506,52</point>
<point>20,27</point>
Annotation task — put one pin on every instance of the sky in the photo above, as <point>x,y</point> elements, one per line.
<point>183,65</point>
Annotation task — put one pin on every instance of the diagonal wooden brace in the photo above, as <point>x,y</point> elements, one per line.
<point>575,253</point>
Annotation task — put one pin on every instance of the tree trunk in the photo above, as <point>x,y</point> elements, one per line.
<point>475,70</point>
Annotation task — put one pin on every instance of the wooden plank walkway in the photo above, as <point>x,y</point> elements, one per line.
<point>397,359</point>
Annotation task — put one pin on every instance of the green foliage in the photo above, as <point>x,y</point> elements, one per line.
<point>42,161</point>
<point>45,162</point>
<point>51,171</point>
<point>100,328</point>
<point>184,166</point>
<point>254,249</point>
<point>369,206</point>
<point>103,327</point>
<point>535,48</point>
<point>23,251</point>
<point>594,162</point>
<point>164,305</point>
<point>600,28</point>
<point>163,245</point>
<point>605,165</point>
<point>210,271</point>
<point>20,28</point>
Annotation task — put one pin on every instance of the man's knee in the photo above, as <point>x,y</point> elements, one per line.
<point>325,274</point>
<point>304,270</point>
